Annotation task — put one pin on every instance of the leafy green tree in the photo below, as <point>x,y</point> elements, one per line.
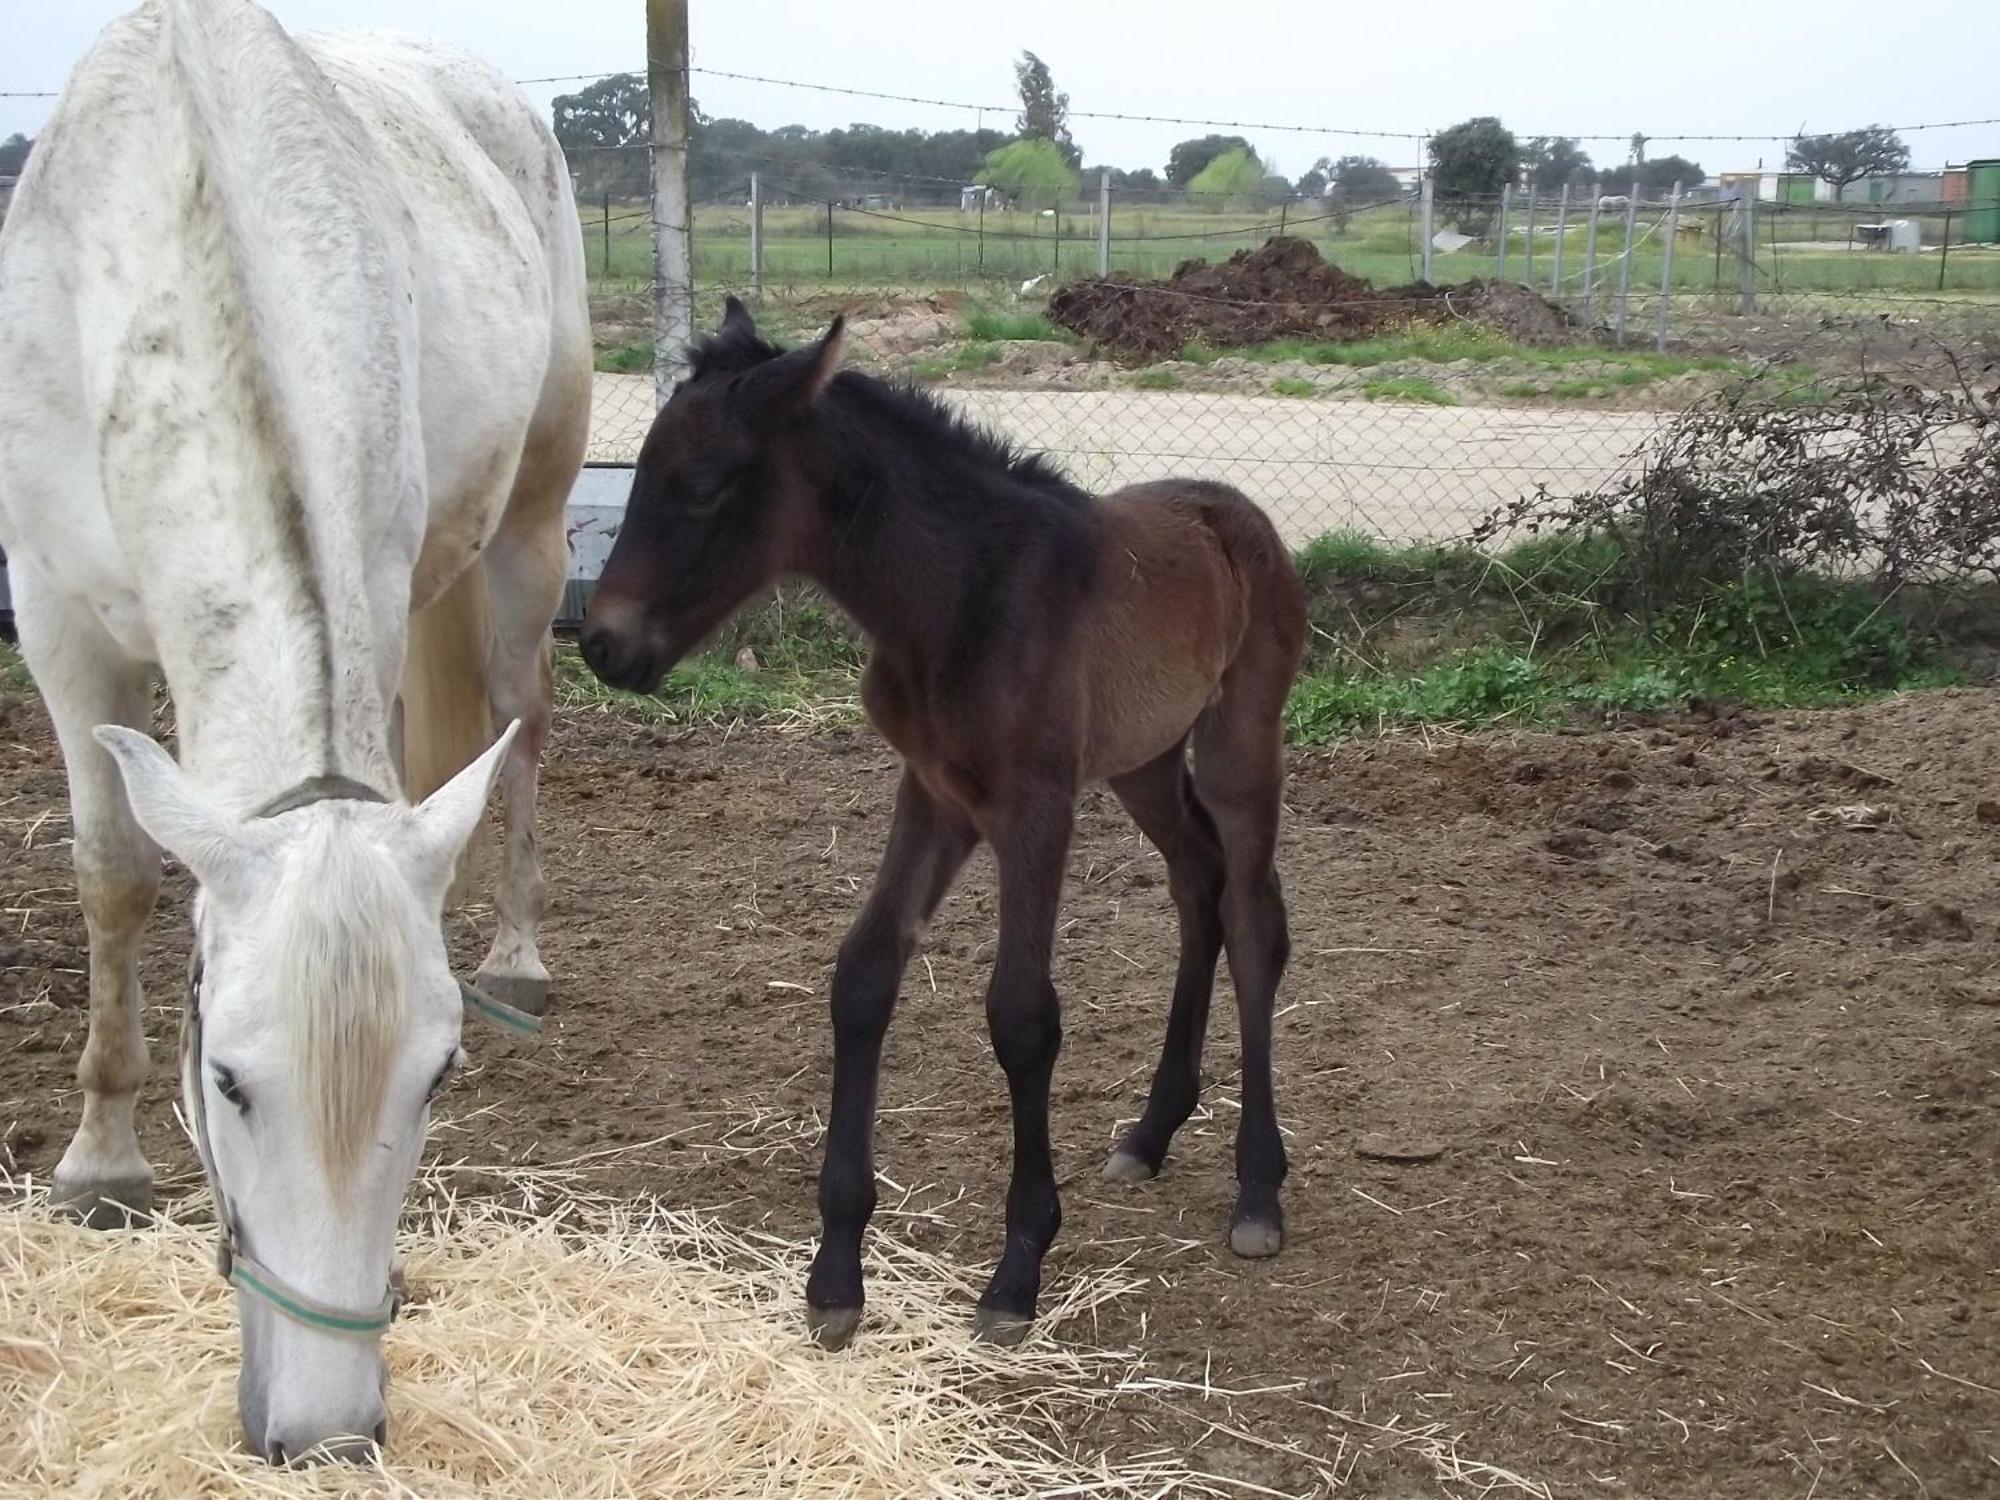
<point>1556,160</point>
<point>1034,173</point>
<point>605,127</point>
<point>1231,179</point>
<point>1849,155</point>
<point>1185,161</point>
<point>14,154</point>
<point>1653,179</point>
<point>1044,111</point>
<point>1470,164</point>
<point>1359,180</point>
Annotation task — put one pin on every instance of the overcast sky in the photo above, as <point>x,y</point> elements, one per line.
<point>1703,67</point>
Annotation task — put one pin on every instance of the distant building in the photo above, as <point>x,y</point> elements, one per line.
<point>978,194</point>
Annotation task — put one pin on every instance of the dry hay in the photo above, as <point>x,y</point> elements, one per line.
<point>596,1348</point>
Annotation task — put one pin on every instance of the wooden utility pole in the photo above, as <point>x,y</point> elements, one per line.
<point>673,213</point>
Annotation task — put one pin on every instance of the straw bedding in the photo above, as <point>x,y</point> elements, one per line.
<point>592,1348</point>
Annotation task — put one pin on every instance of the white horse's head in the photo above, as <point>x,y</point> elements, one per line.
<point>325,1018</point>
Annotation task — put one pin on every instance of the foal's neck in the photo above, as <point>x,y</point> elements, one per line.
<point>911,513</point>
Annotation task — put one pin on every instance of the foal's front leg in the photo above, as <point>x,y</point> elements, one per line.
<point>1031,841</point>
<point>928,844</point>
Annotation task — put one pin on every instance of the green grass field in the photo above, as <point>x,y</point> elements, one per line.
<point>927,248</point>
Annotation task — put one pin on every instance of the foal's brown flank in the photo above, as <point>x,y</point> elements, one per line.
<point>1027,638</point>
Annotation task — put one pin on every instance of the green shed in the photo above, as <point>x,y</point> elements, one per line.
<point>1982,201</point>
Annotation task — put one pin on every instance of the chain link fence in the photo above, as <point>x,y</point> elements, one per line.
<point>1381,407</point>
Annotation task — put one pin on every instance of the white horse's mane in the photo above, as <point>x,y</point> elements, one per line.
<point>338,960</point>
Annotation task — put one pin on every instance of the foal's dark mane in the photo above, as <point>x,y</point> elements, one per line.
<point>923,414</point>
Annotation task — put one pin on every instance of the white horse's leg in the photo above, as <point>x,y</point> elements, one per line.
<point>86,681</point>
<point>525,568</point>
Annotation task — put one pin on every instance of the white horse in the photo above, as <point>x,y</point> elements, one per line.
<point>297,376</point>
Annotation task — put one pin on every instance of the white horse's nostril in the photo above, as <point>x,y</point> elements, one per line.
<point>276,1455</point>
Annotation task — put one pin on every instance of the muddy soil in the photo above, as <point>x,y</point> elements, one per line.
<point>1694,1024</point>
<point>1283,289</point>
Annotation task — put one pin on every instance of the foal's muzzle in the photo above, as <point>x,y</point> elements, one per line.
<point>621,647</point>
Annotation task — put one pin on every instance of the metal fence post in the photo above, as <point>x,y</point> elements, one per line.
<point>1528,242</point>
<point>1506,197</point>
<point>1944,250</point>
<point>673,212</point>
<point>1667,270</point>
<point>1562,231</point>
<point>1625,262</point>
<point>1104,222</point>
<point>1746,252</point>
<point>1590,255</point>
<point>1424,227</point>
<point>604,210</point>
<point>829,239</point>
<point>757,237</point>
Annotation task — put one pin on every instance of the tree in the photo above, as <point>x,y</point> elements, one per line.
<point>1359,180</point>
<point>1185,161</point>
<point>1315,180</point>
<point>1230,178</point>
<point>1555,160</point>
<point>1470,164</point>
<point>14,154</point>
<point>604,127</point>
<point>1044,112</point>
<point>1653,179</point>
<point>1033,172</point>
<point>1849,155</point>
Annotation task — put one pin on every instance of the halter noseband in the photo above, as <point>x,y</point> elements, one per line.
<point>237,1265</point>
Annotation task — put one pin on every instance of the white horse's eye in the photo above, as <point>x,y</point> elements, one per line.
<point>443,1078</point>
<point>227,1086</point>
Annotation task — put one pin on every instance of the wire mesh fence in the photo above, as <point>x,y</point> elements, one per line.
<point>1404,398</point>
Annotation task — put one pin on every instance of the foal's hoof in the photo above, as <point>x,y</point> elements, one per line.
<point>1254,1239</point>
<point>109,1203</point>
<point>521,992</point>
<point>832,1328</point>
<point>1123,1166</point>
<point>1003,1330</point>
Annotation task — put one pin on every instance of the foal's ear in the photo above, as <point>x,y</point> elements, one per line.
<point>797,378</point>
<point>736,320</point>
<point>223,854</point>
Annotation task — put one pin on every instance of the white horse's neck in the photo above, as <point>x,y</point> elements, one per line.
<point>273,467</point>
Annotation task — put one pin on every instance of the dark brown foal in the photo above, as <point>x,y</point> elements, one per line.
<point>1027,639</point>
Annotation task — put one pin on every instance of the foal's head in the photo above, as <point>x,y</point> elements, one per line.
<point>719,503</point>
<point>324,1018</point>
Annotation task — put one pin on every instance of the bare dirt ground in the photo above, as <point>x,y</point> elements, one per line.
<point>1397,470</point>
<point>1711,1059</point>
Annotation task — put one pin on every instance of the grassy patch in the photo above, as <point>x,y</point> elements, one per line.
<point>13,671</point>
<point>1535,633</point>
<point>626,359</point>
<point>1196,352</point>
<point>1157,380</point>
<point>1291,385</point>
<point>965,357</point>
<point>1004,326</point>
<point>1407,388</point>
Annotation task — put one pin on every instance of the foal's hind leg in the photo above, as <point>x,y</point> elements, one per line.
<point>1239,771</point>
<point>1162,801</point>
<point>928,844</point>
<point>103,1176</point>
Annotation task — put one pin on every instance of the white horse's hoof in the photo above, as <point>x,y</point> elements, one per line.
<point>114,1202</point>
<point>522,992</point>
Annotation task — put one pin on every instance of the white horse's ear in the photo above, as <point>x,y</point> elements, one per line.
<point>212,844</point>
<point>444,823</point>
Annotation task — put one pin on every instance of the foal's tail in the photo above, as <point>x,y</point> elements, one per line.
<point>447,720</point>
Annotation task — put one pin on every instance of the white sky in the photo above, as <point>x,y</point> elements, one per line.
<point>1694,66</point>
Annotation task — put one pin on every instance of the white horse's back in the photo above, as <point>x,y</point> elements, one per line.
<point>296,376</point>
